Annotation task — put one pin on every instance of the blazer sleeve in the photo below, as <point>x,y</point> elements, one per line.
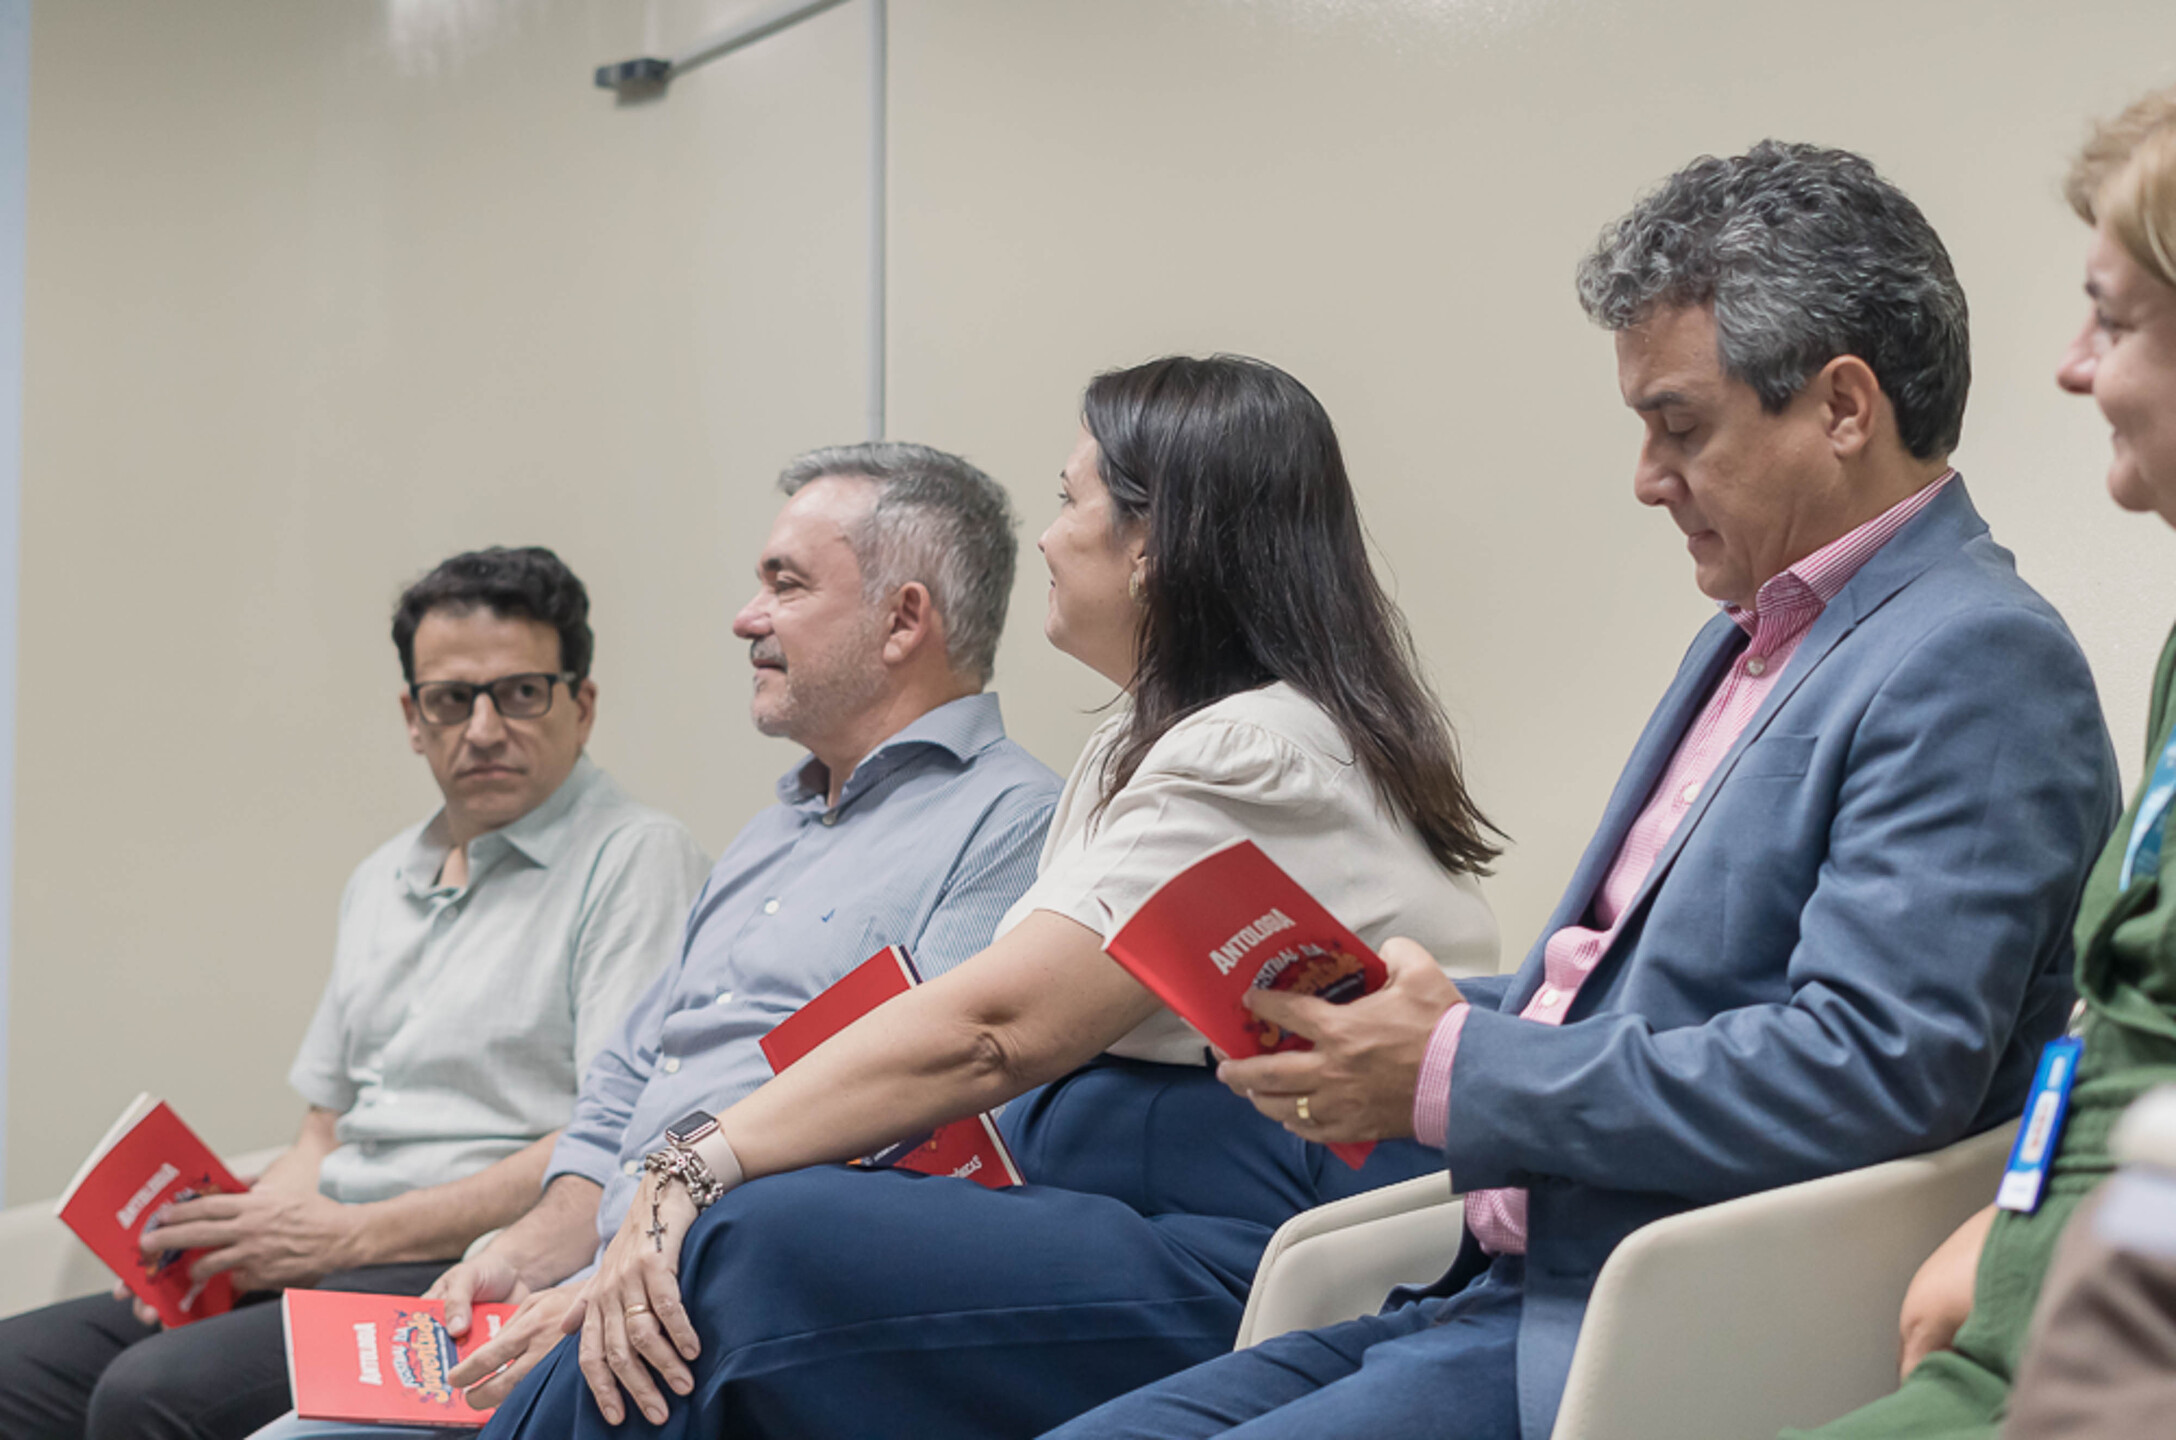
<point>1486,992</point>
<point>1977,789</point>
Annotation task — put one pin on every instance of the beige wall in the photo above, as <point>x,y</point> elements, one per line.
<point>320,292</point>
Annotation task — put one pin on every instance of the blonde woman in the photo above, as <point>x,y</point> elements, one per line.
<point>1965,1316</point>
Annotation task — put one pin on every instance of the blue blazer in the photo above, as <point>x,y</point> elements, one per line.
<point>1852,947</point>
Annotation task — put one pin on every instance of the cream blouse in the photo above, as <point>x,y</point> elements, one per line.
<point>1269,765</point>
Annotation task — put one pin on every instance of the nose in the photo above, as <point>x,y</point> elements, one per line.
<point>1654,482</point>
<point>2074,372</point>
<point>486,727</point>
<point>1042,541</point>
<point>754,621</point>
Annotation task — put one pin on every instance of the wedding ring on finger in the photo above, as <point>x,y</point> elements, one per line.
<point>1305,1117</point>
<point>638,1308</point>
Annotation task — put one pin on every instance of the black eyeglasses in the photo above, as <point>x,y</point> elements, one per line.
<point>515,697</point>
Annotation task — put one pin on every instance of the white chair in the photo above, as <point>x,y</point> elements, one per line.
<point>1729,1321</point>
<point>41,1260</point>
<point>1337,1261</point>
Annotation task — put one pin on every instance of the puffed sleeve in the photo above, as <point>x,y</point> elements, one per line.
<point>1207,781</point>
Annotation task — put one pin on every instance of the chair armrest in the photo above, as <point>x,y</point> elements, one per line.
<point>1774,1310</point>
<point>1337,1261</point>
<point>42,1262</point>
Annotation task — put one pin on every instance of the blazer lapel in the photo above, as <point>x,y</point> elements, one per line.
<point>1712,652</point>
<point>1946,524</point>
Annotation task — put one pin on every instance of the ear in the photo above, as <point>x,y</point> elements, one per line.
<point>415,721</point>
<point>1853,409</point>
<point>912,623</point>
<point>584,695</point>
<point>1133,544</point>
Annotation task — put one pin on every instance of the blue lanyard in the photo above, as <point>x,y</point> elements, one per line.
<point>2142,852</point>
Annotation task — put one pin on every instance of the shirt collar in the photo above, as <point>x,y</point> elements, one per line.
<point>1810,584</point>
<point>540,836</point>
<point>962,728</point>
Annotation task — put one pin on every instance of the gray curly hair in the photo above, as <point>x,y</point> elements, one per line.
<point>1805,254</point>
<point>937,519</point>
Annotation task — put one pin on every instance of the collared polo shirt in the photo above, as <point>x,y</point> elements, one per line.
<point>457,1020</point>
<point>935,834</point>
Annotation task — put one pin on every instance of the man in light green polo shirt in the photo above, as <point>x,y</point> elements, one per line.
<point>483,956</point>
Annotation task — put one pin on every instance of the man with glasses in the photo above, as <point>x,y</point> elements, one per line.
<point>483,958</point>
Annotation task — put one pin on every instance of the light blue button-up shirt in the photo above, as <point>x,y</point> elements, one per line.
<point>936,833</point>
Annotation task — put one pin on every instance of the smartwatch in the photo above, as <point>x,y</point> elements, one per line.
<point>689,1128</point>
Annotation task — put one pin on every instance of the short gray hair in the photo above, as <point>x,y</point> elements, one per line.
<point>1806,254</point>
<point>938,520</point>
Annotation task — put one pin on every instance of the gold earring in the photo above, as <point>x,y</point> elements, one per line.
<point>1133,587</point>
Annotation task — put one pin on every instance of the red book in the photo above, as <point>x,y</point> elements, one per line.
<point>148,1161</point>
<point>969,1149</point>
<point>1232,922</point>
<point>380,1359</point>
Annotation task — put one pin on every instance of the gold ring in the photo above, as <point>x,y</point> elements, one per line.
<point>1305,1118</point>
<point>638,1308</point>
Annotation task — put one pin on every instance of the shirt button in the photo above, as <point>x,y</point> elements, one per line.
<point>725,997</point>
<point>831,817</point>
<point>632,1167</point>
<point>770,907</point>
<point>1756,667</point>
<point>1690,793</point>
<point>671,1065</point>
<point>1549,996</point>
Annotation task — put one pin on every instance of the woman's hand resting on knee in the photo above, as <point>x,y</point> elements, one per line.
<point>1941,1294</point>
<point>629,1312</point>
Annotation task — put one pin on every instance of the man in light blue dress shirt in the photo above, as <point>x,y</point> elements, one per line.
<point>482,958</point>
<point>913,821</point>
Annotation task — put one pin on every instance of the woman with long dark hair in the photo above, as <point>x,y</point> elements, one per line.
<point>1208,559</point>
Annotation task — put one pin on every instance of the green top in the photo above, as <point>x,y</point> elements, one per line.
<point>2126,943</point>
<point>2127,976</point>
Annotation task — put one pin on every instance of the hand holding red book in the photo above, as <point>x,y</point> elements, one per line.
<point>1234,922</point>
<point>148,1161</point>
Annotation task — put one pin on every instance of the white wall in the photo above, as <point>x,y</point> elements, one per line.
<point>14,147</point>
<point>320,293</point>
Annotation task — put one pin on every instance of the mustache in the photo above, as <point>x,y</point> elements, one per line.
<point>766,651</point>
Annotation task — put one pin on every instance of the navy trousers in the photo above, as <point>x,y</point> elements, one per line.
<point>836,1303</point>
<point>1439,1369</point>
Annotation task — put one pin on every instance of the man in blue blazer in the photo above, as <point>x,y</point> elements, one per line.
<point>1826,918</point>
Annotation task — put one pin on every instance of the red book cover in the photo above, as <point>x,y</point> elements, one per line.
<point>380,1359</point>
<point>965,1150</point>
<point>969,1149</point>
<point>1232,922</point>
<point>875,980</point>
<point>146,1162</point>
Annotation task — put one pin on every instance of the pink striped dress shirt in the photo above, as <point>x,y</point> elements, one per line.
<point>1782,612</point>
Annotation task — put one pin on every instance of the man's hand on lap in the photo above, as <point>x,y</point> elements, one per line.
<point>494,1368</point>
<point>268,1238</point>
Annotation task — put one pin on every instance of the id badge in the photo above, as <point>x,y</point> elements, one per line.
<point>2026,1176</point>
